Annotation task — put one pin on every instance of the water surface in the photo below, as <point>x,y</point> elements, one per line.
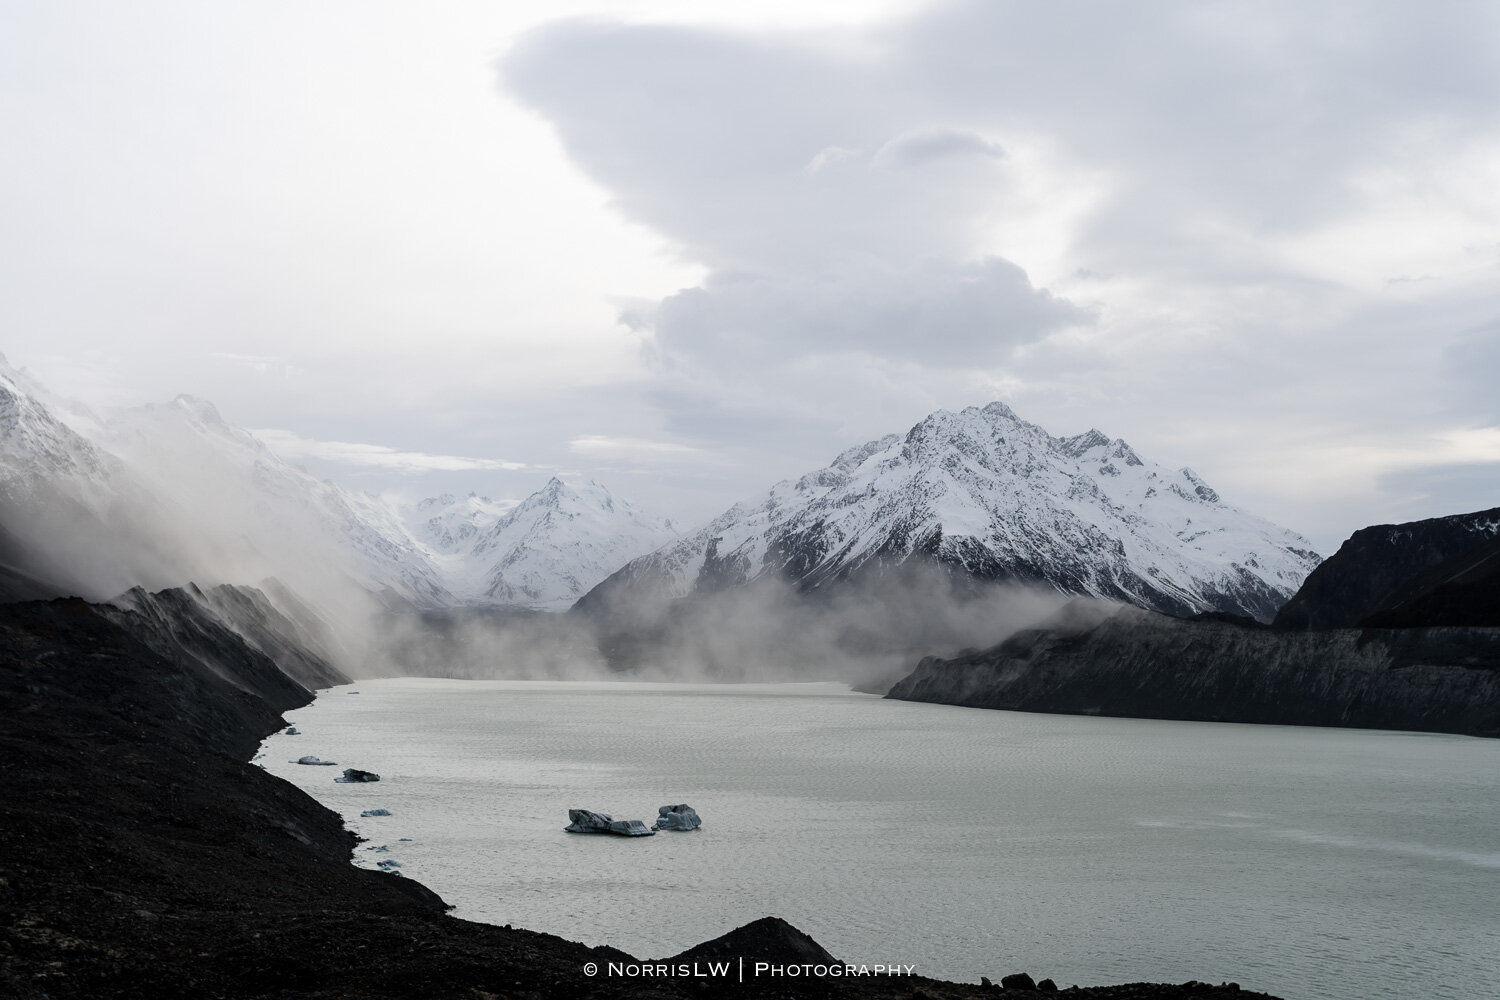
<point>1309,863</point>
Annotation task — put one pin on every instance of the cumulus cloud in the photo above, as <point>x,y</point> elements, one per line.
<point>293,446</point>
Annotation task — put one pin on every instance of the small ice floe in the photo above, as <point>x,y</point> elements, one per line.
<point>381,849</point>
<point>310,759</point>
<point>353,776</point>
<point>405,838</point>
<point>293,731</point>
<point>388,863</point>
<point>678,817</point>
<point>585,821</point>
<point>376,812</point>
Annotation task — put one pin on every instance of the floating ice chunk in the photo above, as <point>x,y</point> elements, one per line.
<point>353,776</point>
<point>630,828</point>
<point>678,817</point>
<point>376,812</point>
<point>584,821</point>
<point>310,759</point>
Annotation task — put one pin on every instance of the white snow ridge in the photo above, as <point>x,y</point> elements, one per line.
<point>999,498</point>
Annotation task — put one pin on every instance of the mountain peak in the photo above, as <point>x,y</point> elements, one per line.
<point>994,496</point>
<point>199,409</point>
<point>999,409</point>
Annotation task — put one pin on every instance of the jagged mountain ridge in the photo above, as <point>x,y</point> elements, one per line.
<point>993,496</point>
<point>544,552</point>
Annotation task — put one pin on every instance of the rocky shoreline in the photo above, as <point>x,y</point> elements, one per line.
<point>145,857</point>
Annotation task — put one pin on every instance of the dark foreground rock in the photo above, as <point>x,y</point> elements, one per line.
<point>143,857</point>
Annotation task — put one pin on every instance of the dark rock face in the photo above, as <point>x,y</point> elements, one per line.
<point>1462,590</point>
<point>1140,664</point>
<point>1382,568</point>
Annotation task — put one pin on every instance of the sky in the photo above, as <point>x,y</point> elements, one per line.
<point>691,249</point>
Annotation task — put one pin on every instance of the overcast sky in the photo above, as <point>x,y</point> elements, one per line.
<point>689,249</point>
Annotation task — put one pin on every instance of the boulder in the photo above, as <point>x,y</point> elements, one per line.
<point>353,775</point>
<point>1019,981</point>
<point>679,817</point>
<point>310,759</point>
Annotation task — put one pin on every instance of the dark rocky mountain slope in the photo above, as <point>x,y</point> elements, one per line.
<point>1400,629</point>
<point>1386,567</point>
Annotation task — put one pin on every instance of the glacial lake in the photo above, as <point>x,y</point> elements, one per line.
<point>1308,863</point>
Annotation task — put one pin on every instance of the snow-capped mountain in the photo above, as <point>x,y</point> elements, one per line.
<point>997,497</point>
<point>544,552</point>
<point>159,495</point>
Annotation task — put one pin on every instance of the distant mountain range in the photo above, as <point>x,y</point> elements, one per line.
<point>159,495</point>
<point>993,497</point>
<point>544,552</point>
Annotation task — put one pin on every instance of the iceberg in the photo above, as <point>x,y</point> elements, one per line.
<point>586,821</point>
<point>678,817</point>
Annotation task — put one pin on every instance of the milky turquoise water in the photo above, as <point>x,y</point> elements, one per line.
<point>1309,863</point>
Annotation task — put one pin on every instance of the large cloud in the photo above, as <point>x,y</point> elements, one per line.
<point>1272,217</point>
